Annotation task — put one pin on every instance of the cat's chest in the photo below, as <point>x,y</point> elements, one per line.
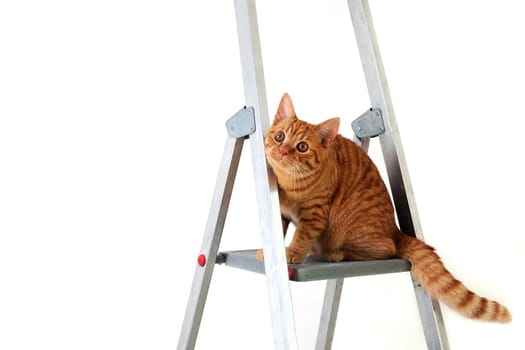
<point>289,209</point>
<point>292,206</point>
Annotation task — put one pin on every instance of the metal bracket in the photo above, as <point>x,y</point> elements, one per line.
<point>242,124</point>
<point>369,124</point>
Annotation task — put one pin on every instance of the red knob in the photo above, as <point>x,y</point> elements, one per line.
<point>291,273</point>
<point>201,260</point>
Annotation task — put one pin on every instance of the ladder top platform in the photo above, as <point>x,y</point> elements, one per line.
<point>315,270</point>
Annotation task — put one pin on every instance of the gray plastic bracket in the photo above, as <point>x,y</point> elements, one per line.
<point>369,124</point>
<point>242,124</point>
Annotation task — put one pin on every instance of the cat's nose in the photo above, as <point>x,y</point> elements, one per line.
<point>283,152</point>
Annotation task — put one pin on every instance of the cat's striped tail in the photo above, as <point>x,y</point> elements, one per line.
<point>428,269</point>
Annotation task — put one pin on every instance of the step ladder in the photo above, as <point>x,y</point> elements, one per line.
<point>250,123</point>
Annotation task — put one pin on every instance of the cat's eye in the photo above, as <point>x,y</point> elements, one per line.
<point>279,136</point>
<point>302,147</point>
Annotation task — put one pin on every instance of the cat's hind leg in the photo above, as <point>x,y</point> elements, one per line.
<point>333,255</point>
<point>368,246</point>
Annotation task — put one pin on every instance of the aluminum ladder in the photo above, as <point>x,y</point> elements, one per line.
<point>250,123</point>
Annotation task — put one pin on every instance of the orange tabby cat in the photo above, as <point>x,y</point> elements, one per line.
<point>330,189</point>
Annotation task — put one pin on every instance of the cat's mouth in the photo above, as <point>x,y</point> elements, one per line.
<point>282,159</point>
<point>285,164</point>
<point>278,160</point>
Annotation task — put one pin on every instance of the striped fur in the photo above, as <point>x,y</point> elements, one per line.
<point>333,193</point>
<point>428,269</point>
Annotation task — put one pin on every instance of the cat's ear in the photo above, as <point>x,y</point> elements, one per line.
<point>328,130</point>
<point>285,109</point>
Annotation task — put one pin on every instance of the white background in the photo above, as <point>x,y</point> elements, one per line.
<point>111,133</point>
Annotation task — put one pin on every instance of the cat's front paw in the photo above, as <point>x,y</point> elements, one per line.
<point>293,256</point>
<point>260,255</point>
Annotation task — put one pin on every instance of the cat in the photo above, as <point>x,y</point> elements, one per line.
<point>333,193</point>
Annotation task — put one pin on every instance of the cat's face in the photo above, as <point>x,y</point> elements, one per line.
<point>295,147</point>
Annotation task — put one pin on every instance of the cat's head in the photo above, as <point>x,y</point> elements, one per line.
<point>293,146</point>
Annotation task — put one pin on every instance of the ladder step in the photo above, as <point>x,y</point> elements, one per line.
<point>315,270</point>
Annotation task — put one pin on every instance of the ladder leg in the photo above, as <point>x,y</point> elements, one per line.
<point>393,154</point>
<point>431,319</point>
<point>210,244</point>
<point>332,298</point>
<point>276,268</point>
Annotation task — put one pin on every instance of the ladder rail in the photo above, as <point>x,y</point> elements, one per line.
<point>396,166</point>
<point>210,244</point>
<point>380,98</point>
<point>331,302</point>
<point>272,238</point>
